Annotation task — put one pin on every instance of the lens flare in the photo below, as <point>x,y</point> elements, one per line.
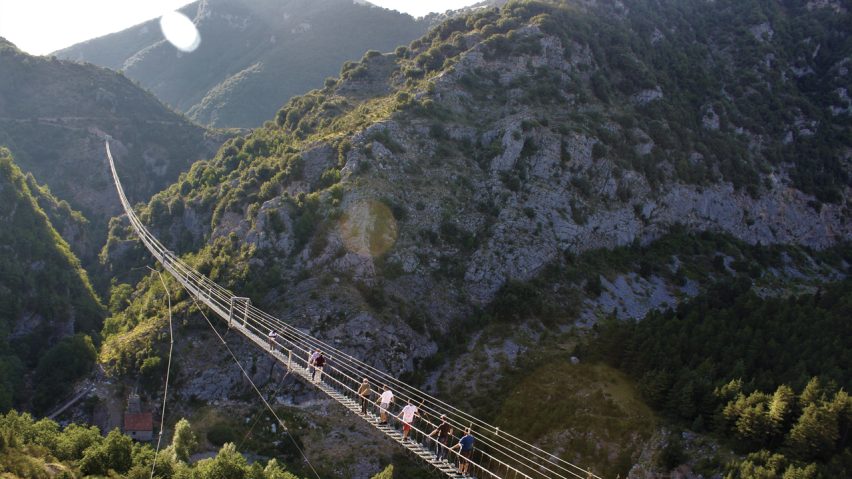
<point>180,31</point>
<point>368,228</point>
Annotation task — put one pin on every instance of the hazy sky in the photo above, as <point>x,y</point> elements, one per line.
<point>43,26</point>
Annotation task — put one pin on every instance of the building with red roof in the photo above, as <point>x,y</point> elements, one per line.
<point>137,424</point>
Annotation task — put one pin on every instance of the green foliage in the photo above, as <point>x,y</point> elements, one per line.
<point>41,279</point>
<point>384,137</point>
<point>672,455</point>
<point>387,473</point>
<point>76,439</point>
<point>114,453</point>
<point>151,372</point>
<point>221,433</point>
<point>184,441</point>
<point>766,465</point>
<point>711,359</point>
<point>39,449</point>
<point>60,367</point>
<point>517,301</point>
<point>228,464</point>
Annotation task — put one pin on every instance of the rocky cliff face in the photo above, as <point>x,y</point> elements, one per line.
<point>472,188</point>
<point>481,156</point>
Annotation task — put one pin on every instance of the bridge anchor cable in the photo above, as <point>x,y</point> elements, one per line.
<point>497,454</point>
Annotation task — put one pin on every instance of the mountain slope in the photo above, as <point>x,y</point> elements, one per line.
<point>253,56</point>
<point>45,298</point>
<point>55,115</point>
<point>464,209</point>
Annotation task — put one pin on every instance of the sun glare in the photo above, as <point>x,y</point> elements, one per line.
<point>180,31</point>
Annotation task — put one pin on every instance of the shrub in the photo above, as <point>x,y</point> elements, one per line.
<point>57,370</point>
<point>221,433</point>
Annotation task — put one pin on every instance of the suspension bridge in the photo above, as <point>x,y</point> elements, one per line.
<point>497,454</point>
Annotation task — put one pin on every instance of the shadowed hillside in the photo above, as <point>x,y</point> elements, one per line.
<point>48,310</point>
<point>253,57</point>
<point>55,115</point>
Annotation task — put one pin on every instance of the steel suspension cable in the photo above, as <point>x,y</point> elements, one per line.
<point>254,386</point>
<point>224,297</point>
<point>168,371</point>
<point>511,453</point>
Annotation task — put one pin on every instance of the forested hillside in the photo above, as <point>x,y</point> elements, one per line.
<point>254,55</point>
<point>55,116</point>
<point>36,449</point>
<point>48,310</point>
<point>465,210</point>
<point>769,375</point>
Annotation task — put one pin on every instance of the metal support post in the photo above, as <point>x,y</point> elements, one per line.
<point>246,311</point>
<point>234,301</point>
<point>231,312</point>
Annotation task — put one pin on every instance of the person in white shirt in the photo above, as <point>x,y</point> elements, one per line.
<point>385,401</point>
<point>407,415</point>
<point>272,335</point>
<point>312,357</point>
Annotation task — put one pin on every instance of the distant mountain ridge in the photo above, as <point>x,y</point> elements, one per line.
<point>254,55</point>
<point>55,116</point>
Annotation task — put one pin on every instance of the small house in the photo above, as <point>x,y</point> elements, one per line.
<point>137,424</point>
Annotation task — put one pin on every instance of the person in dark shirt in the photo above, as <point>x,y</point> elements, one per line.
<point>364,394</point>
<point>442,435</point>
<point>465,447</point>
<point>319,362</point>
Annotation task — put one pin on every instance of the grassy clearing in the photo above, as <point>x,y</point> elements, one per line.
<point>591,414</point>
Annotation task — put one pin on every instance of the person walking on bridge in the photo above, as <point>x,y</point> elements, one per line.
<point>407,415</point>
<point>319,362</point>
<point>312,357</point>
<point>465,447</point>
<point>442,435</point>
<point>364,395</point>
<point>384,402</point>
<point>272,336</point>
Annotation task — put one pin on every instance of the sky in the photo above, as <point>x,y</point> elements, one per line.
<point>40,27</point>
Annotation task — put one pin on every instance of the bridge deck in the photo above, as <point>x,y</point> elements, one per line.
<point>497,454</point>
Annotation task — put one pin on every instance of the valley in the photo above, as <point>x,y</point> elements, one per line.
<point>615,231</point>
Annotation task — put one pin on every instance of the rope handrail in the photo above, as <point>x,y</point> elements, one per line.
<point>495,445</point>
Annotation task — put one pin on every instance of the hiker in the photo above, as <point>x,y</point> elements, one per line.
<point>311,358</point>
<point>407,415</point>
<point>442,435</point>
<point>364,394</point>
<point>272,335</point>
<point>384,402</point>
<point>319,362</point>
<point>465,447</point>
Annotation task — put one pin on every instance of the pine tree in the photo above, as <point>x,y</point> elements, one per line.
<point>815,433</point>
<point>813,393</point>
<point>781,410</point>
<point>386,474</point>
<point>184,441</point>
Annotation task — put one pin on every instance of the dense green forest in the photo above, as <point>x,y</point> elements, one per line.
<point>38,449</point>
<point>768,374</point>
<point>45,297</point>
<point>42,449</point>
